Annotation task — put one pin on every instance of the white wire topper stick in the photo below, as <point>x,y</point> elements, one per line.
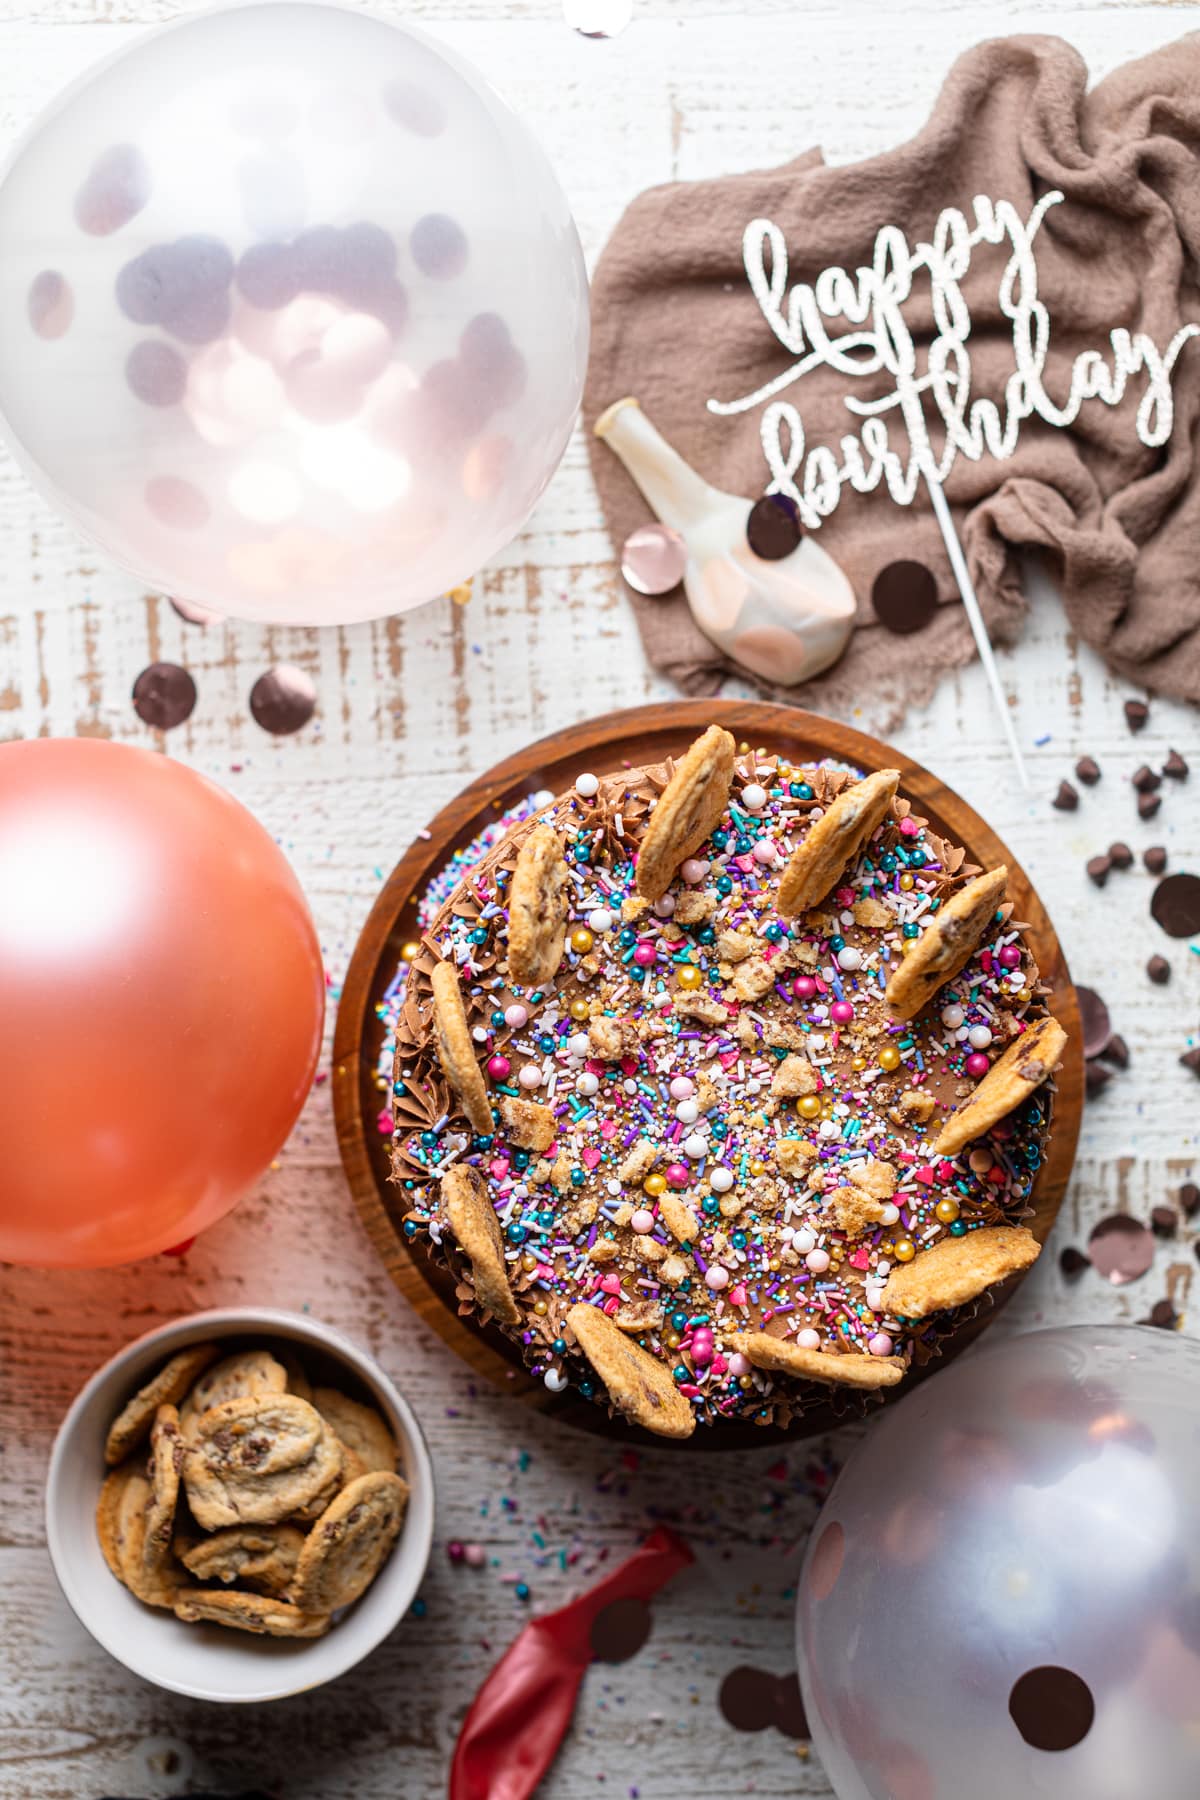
<point>871,301</point>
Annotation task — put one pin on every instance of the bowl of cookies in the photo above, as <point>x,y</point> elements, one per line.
<point>240,1505</point>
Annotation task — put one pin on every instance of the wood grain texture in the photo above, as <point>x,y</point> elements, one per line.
<point>640,736</point>
<point>411,709</point>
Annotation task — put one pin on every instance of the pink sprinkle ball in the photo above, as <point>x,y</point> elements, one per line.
<point>677,1175</point>
<point>817,1261</point>
<point>645,954</point>
<point>499,1067</point>
<point>909,828</point>
<point>1010,956</point>
<point>474,1556</point>
<point>516,1015</point>
<point>880,1344</point>
<point>977,1065</point>
<point>716,1278</point>
<point>808,1339</point>
<point>682,1088</point>
<point>694,870</point>
<point>642,1221</point>
<point>841,1012</point>
<point>804,987</point>
<point>739,1365</point>
<point>530,1076</point>
<point>845,896</point>
<point>765,851</point>
<point>702,1347</point>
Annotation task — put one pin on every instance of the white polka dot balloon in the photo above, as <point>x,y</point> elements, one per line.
<point>293,313</point>
<point>1002,1594</point>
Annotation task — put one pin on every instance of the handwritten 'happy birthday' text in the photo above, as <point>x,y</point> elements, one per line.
<point>871,301</point>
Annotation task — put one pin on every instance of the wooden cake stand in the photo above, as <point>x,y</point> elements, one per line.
<point>642,735</point>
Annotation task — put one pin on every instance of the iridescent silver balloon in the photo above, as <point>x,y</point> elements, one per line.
<point>1002,1596</point>
<point>293,313</point>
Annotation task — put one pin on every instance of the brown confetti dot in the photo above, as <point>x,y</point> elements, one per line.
<point>790,1717</point>
<point>1175,766</point>
<point>1073,1262</point>
<point>1163,1315</point>
<point>904,596</point>
<point>1159,970</point>
<point>1088,770</point>
<point>1052,1708</point>
<point>1136,714</point>
<point>283,700</point>
<point>773,529</point>
<point>1098,869</point>
<point>620,1629</point>
<point>164,695</point>
<point>747,1698</point>
<point>1067,797</point>
<point>1120,856</point>
<point>1121,1248</point>
<point>1155,859</point>
<point>1175,905</point>
<point>1097,1025</point>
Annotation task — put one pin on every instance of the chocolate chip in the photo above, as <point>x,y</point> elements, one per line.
<point>1120,856</point>
<point>904,596</point>
<point>1073,1262</point>
<point>164,695</point>
<point>1116,1051</point>
<point>773,529</point>
<point>1097,1025</point>
<point>1067,797</point>
<point>1164,1221</point>
<point>1191,1060</point>
<point>1088,770</point>
<point>1145,780</point>
<point>1175,905</point>
<point>1148,805</point>
<point>1136,714</point>
<point>1098,869</point>
<point>1155,859</point>
<point>1159,970</point>
<point>1096,1079</point>
<point>1162,1314</point>
<point>1189,1199</point>
<point>1175,766</point>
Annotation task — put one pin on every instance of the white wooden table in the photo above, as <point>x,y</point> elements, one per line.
<point>410,709</point>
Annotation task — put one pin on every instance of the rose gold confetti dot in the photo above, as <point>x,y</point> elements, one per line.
<point>283,700</point>
<point>653,559</point>
<point>1121,1248</point>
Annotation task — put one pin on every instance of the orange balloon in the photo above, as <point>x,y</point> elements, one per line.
<point>161,1002</point>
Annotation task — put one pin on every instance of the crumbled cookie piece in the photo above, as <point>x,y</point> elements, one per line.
<point>611,1038</point>
<point>753,979</point>
<point>733,946</point>
<point>695,907</point>
<point>852,1210</point>
<point>530,1126</point>
<point>679,1219</point>
<point>838,836</point>
<point>874,1177</point>
<point>699,1006</point>
<point>850,1368</point>
<point>1011,1079</point>
<point>795,1156</point>
<point>794,1077</point>
<point>639,1162</point>
<point>873,915</point>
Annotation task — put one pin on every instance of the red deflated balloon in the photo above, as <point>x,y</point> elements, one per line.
<point>161,1002</point>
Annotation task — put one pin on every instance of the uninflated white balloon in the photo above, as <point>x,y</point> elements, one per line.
<point>293,313</point>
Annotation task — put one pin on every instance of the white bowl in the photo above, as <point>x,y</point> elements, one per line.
<point>210,1662</point>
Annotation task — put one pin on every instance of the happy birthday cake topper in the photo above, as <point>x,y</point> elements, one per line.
<point>880,343</point>
<point>872,302</point>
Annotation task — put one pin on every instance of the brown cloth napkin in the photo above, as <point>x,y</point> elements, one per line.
<point>675,321</point>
